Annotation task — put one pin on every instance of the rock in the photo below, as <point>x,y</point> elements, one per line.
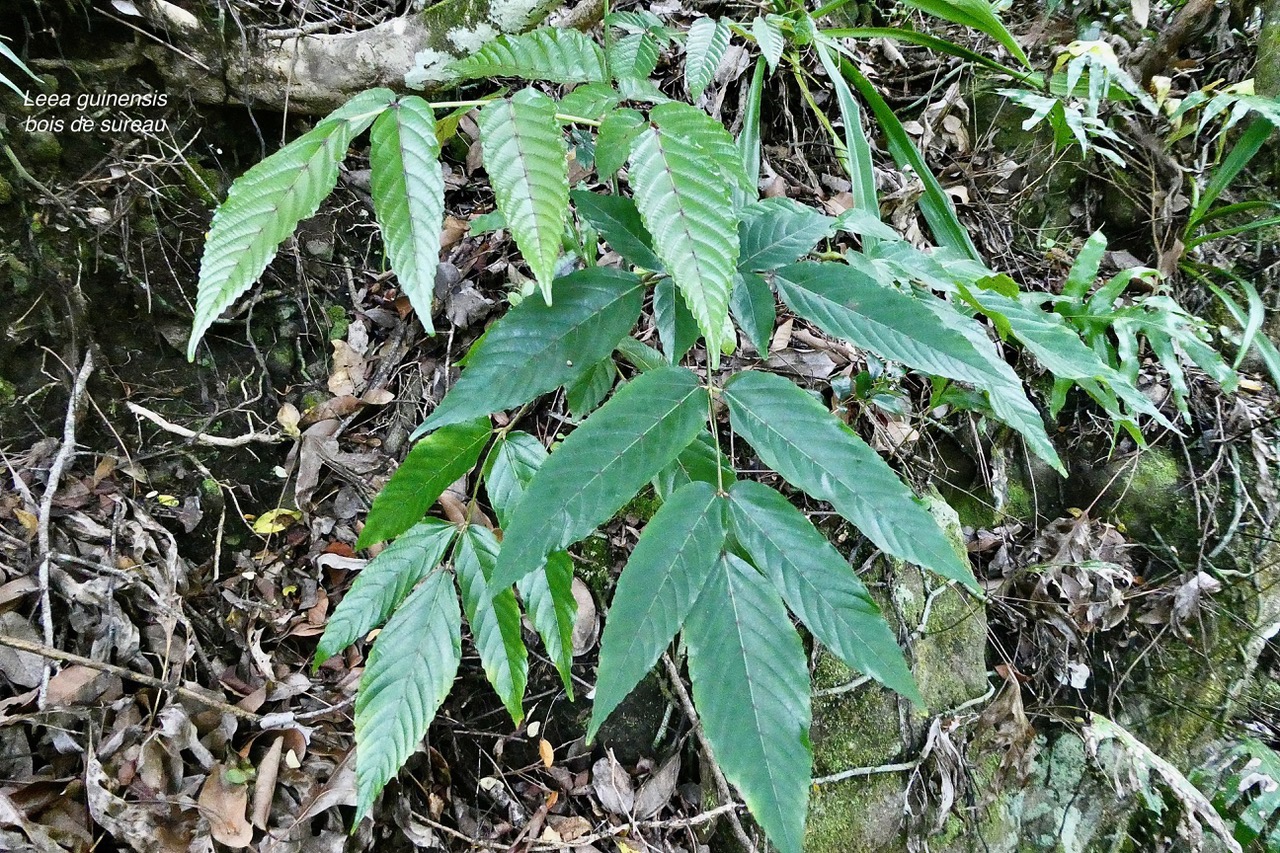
<point>870,726</point>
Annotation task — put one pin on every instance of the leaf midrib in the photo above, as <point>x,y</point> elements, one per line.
<point>805,581</point>
<point>886,330</point>
<point>742,641</point>
<point>853,493</point>
<point>404,174</point>
<point>549,518</point>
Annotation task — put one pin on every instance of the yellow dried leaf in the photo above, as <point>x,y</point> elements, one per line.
<point>546,752</point>
<point>275,521</point>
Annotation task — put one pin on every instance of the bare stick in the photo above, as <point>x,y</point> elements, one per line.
<point>59,465</point>
<point>199,437</point>
<point>722,784</point>
<point>51,653</point>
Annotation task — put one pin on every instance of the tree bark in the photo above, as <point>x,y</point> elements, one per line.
<point>316,72</point>
<point>1266,75</point>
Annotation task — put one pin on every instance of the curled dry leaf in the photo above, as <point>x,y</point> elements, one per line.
<point>586,626</point>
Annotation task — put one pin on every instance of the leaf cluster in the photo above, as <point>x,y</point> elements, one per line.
<point>725,563</point>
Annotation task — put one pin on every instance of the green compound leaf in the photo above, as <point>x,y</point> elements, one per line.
<point>408,674</point>
<point>548,598</point>
<point>601,465</point>
<point>593,101</point>
<point>617,130</point>
<point>266,203</point>
<point>797,437</point>
<point>536,348</point>
<point>704,48</point>
<point>752,305</point>
<point>553,54</point>
<point>751,689</point>
<point>775,232</point>
<point>527,159</point>
<point>847,303</point>
<point>547,593</point>
<point>619,223</point>
<point>634,55</point>
<point>510,466</point>
<point>407,185</point>
<point>677,329</point>
<point>770,38</point>
<point>1059,350</point>
<point>700,462</point>
<point>1084,269</point>
<point>976,15</point>
<point>383,583</point>
<point>818,585</point>
<point>588,391</point>
<point>431,466</point>
<point>494,617</point>
<point>676,553</point>
<point>690,216</point>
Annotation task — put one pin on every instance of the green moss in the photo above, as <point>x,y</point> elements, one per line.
<point>8,392</point>
<point>854,729</point>
<point>282,359</point>
<point>1152,496</point>
<point>643,506</point>
<point>595,563</point>
<point>858,815</point>
<point>43,148</point>
<point>1020,504</point>
<point>974,510</point>
<point>201,182</point>
<point>339,323</point>
<point>311,399</point>
<point>6,190</point>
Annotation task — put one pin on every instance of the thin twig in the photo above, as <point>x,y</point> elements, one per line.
<point>201,438</point>
<point>44,550</point>
<point>127,674</point>
<point>722,784</point>
<point>866,771</point>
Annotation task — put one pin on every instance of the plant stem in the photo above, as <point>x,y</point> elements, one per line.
<point>715,434</point>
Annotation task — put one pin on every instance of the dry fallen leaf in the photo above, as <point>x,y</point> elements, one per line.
<point>658,789</point>
<point>586,626</point>
<point>612,786</point>
<point>347,377</point>
<point>223,804</point>
<point>21,668</point>
<point>546,752</point>
<point>264,786</point>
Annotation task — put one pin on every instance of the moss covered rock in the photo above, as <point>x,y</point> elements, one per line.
<point>866,726</point>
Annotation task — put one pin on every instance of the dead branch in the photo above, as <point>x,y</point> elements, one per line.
<point>51,653</point>
<point>201,438</point>
<point>722,784</point>
<point>44,550</point>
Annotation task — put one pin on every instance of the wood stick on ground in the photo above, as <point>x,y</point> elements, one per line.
<point>51,653</point>
<point>722,784</point>
<point>44,551</point>
<point>199,437</point>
